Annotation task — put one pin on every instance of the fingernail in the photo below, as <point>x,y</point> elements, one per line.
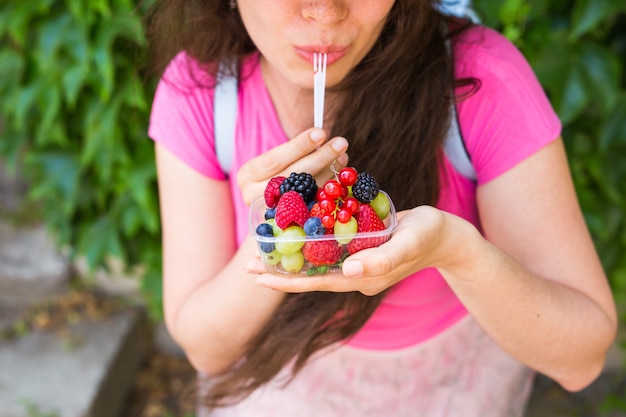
<point>317,135</point>
<point>339,144</point>
<point>352,269</point>
<point>343,159</point>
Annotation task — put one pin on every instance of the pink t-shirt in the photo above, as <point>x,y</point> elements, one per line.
<point>507,120</point>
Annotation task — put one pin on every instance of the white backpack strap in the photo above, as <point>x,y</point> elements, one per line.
<point>454,148</point>
<point>459,8</point>
<point>225,105</point>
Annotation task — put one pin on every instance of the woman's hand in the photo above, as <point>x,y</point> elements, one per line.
<point>423,238</point>
<point>306,152</point>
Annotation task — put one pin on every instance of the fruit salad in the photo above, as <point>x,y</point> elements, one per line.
<point>304,229</point>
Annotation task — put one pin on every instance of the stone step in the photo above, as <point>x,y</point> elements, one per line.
<point>84,372</point>
<point>31,269</point>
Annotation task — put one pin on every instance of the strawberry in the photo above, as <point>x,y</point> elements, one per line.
<point>321,252</point>
<point>316,211</point>
<point>272,191</point>
<point>367,221</point>
<point>291,209</point>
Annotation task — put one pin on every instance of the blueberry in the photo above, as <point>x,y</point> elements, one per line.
<point>265,229</point>
<point>270,213</point>
<point>313,227</point>
<point>267,247</point>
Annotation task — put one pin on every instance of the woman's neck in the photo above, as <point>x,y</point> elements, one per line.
<point>292,103</point>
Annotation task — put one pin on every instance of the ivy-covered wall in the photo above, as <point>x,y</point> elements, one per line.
<point>578,50</point>
<point>75,103</point>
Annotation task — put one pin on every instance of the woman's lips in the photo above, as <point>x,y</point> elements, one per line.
<point>334,53</point>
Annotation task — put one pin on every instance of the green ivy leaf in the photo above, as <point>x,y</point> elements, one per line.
<point>77,9</point>
<point>73,80</point>
<point>99,241</point>
<point>588,14</point>
<point>50,106</point>
<point>575,96</point>
<point>102,7</point>
<point>613,131</point>
<point>603,71</point>
<point>59,179</point>
<point>99,126</point>
<point>11,68</point>
<point>76,43</point>
<point>25,101</point>
<point>131,219</point>
<point>489,11</point>
<point>512,10</point>
<point>19,15</point>
<point>6,14</point>
<point>51,35</point>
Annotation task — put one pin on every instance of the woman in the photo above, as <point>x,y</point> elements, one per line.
<point>484,282</point>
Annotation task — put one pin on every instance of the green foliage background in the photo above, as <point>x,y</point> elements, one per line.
<point>578,50</point>
<point>75,108</point>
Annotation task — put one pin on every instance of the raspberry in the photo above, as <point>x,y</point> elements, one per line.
<point>272,191</point>
<point>321,252</point>
<point>365,188</point>
<point>303,183</point>
<point>291,209</point>
<point>367,221</point>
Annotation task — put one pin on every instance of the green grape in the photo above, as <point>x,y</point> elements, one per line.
<point>277,230</point>
<point>290,240</point>
<point>292,262</point>
<point>344,232</point>
<point>272,258</point>
<point>381,205</point>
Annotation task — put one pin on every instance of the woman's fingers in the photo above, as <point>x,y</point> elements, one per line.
<point>280,158</point>
<point>304,153</point>
<point>318,162</point>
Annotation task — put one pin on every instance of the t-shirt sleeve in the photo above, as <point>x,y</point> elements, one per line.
<point>181,119</point>
<point>510,117</point>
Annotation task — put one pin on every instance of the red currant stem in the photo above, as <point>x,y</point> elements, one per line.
<point>337,208</point>
<point>334,170</point>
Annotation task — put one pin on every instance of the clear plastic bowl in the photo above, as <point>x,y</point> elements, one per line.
<point>273,261</point>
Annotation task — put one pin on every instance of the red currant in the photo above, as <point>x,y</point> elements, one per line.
<point>344,215</point>
<point>351,204</point>
<point>348,176</point>
<point>328,221</point>
<point>321,195</point>
<point>333,189</point>
<point>327,205</point>
<point>344,192</point>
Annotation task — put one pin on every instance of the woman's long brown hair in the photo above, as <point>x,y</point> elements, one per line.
<point>394,110</point>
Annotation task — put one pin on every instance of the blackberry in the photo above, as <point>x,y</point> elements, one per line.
<point>303,183</point>
<point>365,188</point>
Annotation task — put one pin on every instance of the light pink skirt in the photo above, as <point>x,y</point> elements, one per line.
<point>459,373</point>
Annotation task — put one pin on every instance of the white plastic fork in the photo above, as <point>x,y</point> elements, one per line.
<point>319,88</point>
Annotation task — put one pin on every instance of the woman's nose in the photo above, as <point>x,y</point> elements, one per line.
<point>325,11</point>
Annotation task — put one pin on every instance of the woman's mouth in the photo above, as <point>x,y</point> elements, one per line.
<point>334,53</point>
